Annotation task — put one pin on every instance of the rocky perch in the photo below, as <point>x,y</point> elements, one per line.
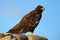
<point>20,37</point>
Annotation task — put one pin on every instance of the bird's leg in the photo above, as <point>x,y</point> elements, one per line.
<point>32,34</point>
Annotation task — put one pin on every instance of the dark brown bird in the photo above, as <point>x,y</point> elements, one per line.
<point>29,22</point>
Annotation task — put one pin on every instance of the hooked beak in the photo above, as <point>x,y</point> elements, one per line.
<point>42,8</point>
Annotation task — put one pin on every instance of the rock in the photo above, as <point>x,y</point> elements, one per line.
<point>6,38</point>
<point>36,38</point>
<point>20,37</point>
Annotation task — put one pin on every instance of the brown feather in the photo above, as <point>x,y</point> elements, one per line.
<point>29,22</point>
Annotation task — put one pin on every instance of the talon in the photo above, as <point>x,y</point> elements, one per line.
<point>32,34</point>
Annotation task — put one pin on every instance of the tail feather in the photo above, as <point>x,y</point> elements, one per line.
<point>12,31</point>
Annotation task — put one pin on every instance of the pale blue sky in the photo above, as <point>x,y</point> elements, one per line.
<point>12,11</point>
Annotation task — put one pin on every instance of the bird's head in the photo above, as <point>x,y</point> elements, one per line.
<point>40,8</point>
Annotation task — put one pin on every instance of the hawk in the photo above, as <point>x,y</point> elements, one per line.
<point>29,22</point>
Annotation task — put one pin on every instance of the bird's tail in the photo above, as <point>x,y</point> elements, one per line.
<point>11,31</point>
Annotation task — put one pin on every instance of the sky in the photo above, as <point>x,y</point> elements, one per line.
<point>12,11</point>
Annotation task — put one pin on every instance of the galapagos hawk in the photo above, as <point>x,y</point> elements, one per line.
<point>29,22</point>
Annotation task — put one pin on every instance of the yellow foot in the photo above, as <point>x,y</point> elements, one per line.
<point>32,34</point>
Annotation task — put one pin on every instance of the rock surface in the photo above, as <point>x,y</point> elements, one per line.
<point>20,37</point>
